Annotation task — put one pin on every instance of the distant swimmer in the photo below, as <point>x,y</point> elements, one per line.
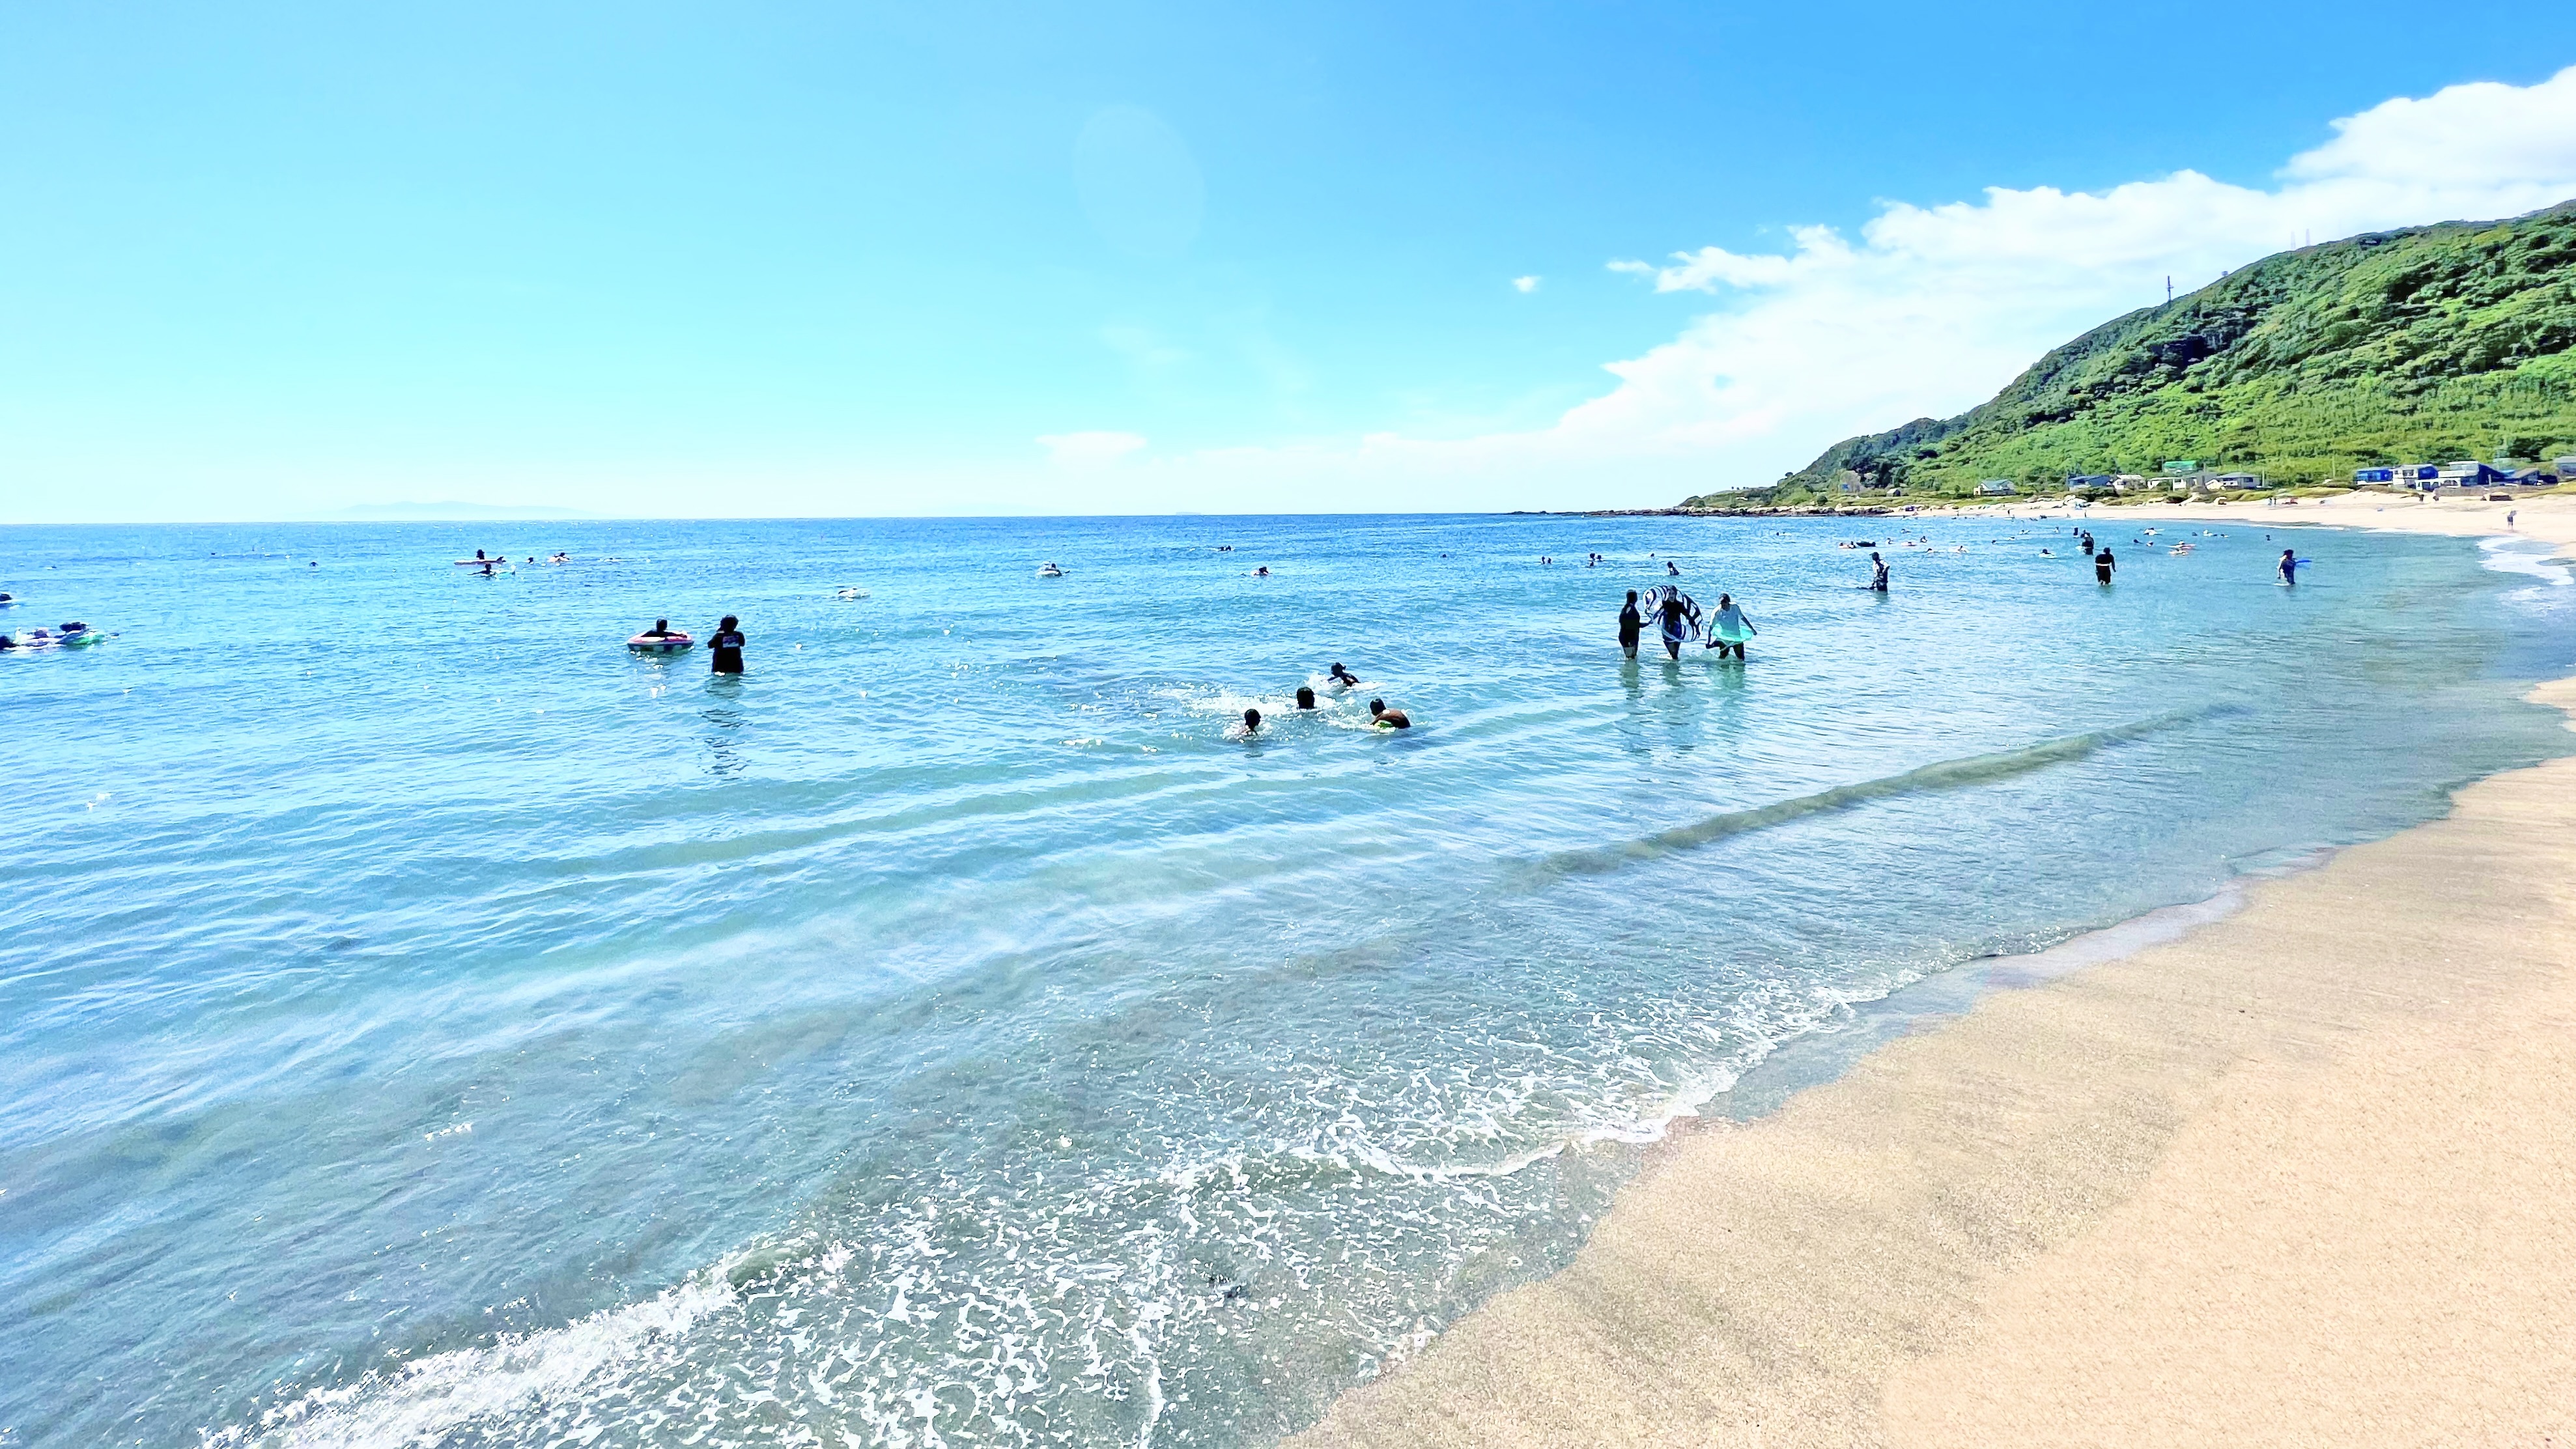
<point>1877,574</point>
<point>1672,570</point>
<point>2289,567</point>
<point>1251,721</point>
<point>1262,572</point>
<point>1730,628</point>
<point>1631,624</point>
<point>1341,676</point>
<point>661,630</point>
<point>725,648</point>
<point>1675,610</point>
<point>1305,697</point>
<point>1388,719</point>
<point>2103,563</point>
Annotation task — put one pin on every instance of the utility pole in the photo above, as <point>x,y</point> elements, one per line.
<point>2169,291</point>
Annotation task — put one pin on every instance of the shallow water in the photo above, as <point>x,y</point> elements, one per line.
<point>423,1021</point>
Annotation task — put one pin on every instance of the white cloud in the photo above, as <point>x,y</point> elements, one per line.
<point>1930,309</point>
<point>1525,285</point>
<point>1089,450</point>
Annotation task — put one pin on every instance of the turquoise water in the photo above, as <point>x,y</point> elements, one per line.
<point>422,1021</point>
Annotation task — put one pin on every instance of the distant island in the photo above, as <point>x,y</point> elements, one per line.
<point>392,512</point>
<point>2425,345</point>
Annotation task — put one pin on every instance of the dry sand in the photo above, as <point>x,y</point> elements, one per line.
<point>2305,1177</point>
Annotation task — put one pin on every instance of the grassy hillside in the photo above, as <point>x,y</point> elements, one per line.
<point>2427,344</point>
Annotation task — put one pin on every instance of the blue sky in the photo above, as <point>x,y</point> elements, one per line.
<point>268,261</point>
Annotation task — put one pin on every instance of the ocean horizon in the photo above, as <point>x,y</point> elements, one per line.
<point>427,1020</point>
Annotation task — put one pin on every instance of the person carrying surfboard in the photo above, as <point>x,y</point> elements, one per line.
<point>1729,628</point>
<point>1676,613</point>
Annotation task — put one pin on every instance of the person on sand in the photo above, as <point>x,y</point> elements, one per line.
<point>724,649</point>
<point>1631,624</point>
<point>1676,625</point>
<point>1729,628</point>
<point>1305,697</point>
<point>2103,563</point>
<point>1388,719</point>
<point>1341,676</point>
<point>1877,573</point>
<point>1251,722</point>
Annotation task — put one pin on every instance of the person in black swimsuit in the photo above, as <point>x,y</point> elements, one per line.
<point>725,649</point>
<point>1630,625</point>
<point>2103,563</point>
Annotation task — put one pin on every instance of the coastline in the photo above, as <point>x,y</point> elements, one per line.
<point>2294,1177</point>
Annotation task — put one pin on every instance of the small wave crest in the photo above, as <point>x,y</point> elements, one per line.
<point>538,1375</point>
<point>1955,774</point>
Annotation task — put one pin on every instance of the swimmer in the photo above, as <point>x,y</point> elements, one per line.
<point>725,648</point>
<point>1388,719</point>
<point>1341,676</point>
<point>661,630</point>
<point>1262,572</point>
<point>2289,567</point>
<point>2103,563</point>
<point>1631,624</point>
<point>1251,721</point>
<point>1305,697</point>
<point>1671,570</point>
<point>1877,574</point>
<point>1729,629</point>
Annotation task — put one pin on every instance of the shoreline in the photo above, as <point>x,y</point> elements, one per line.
<point>2296,1175</point>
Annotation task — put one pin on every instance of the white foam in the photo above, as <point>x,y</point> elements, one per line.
<point>2525,556</point>
<point>430,1399</point>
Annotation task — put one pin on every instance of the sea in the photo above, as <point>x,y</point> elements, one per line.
<point>425,1021</point>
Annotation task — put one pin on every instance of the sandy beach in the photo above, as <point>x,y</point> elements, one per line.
<point>2299,1177</point>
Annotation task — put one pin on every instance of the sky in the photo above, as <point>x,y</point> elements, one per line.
<point>652,259</point>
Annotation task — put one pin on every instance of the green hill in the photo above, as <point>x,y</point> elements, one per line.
<point>2422,345</point>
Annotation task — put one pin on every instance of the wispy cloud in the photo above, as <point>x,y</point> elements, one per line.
<point>1525,285</point>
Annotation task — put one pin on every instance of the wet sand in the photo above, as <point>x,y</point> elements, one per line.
<point>2306,1176</point>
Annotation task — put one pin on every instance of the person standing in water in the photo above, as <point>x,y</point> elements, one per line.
<point>725,648</point>
<point>1676,624</point>
<point>1631,624</point>
<point>2289,567</point>
<point>2103,563</point>
<point>1877,574</point>
<point>1729,628</point>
